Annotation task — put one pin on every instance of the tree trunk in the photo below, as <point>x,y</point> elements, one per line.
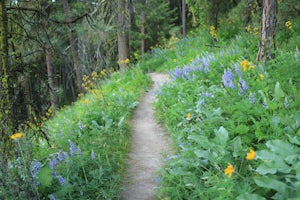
<point>122,34</point>
<point>6,122</point>
<point>51,79</point>
<point>183,19</point>
<point>267,35</point>
<point>143,27</point>
<point>72,39</point>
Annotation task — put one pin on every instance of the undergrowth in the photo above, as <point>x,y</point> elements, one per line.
<point>235,121</point>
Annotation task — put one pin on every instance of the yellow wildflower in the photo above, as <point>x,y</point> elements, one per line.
<point>250,65</point>
<point>212,28</point>
<point>188,116</point>
<point>256,30</point>
<point>288,24</point>
<point>261,76</point>
<point>126,61</point>
<point>212,32</point>
<point>229,170</point>
<point>244,64</point>
<point>16,136</point>
<point>251,155</point>
<point>248,28</point>
<point>103,72</point>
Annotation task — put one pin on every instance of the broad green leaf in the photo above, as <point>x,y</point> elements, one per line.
<point>221,136</point>
<point>294,140</point>
<point>265,155</point>
<point>281,147</point>
<point>247,196</point>
<point>201,140</point>
<point>270,183</point>
<point>278,92</point>
<point>237,146</point>
<point>202,154</point>
<point>45,176</point>
<point>266,168</point>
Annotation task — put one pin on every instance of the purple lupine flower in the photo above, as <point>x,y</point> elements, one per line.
<point>177,73</point>
<point>36,167</point>
<point>207,94</point>
<point>73,148</point>
<point>200,68</point>
<point>61,180</point>
<point>206,69</point>
<point>244,85</point>
<point>53,162</point>
<point>54,173</point>
<point>238,70</point>
<point>93,156</point>
<point>206,61</point>
<point>52,197</point>
<point>61,133</point>
<point>228,79</point>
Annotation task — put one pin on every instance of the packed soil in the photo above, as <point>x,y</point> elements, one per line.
<point>149,143</point>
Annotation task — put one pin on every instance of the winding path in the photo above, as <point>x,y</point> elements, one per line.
<point>149,142</point>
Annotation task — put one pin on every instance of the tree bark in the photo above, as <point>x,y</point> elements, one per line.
<point>143,28</point>
<point>183,19</point>
<point>51,79</point>
<point>122,34</point>
<point>6,122</point>
<point>72,40</point>
<point>267,43</point>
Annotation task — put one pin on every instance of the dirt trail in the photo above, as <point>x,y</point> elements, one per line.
<point>149,142</point>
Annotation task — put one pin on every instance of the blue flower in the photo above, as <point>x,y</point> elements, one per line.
<point>93,156</point>
<point>238,70</point>
<point>227,78</point>
<point>36,168</point>
<point>244,85</point>
<point>178,73</point>
<point>52,197</point>
<point>61,180</point>
<point>53,162</point>
<point>73,148</point>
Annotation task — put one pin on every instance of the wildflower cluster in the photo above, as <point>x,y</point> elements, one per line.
<point>227,78</point>
<point>16,136</point>
<point>230,168</point>
<point>246,65</point>
<point>288,25</point>
<point>35,169</point>
<point>212,32</point>
<point>125,61</point>
<point>89,82</point>
<point>198,65</point>
<point>254,30</point>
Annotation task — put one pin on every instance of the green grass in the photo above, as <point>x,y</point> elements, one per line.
<point>96,124</point>
<point>214,125</point>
